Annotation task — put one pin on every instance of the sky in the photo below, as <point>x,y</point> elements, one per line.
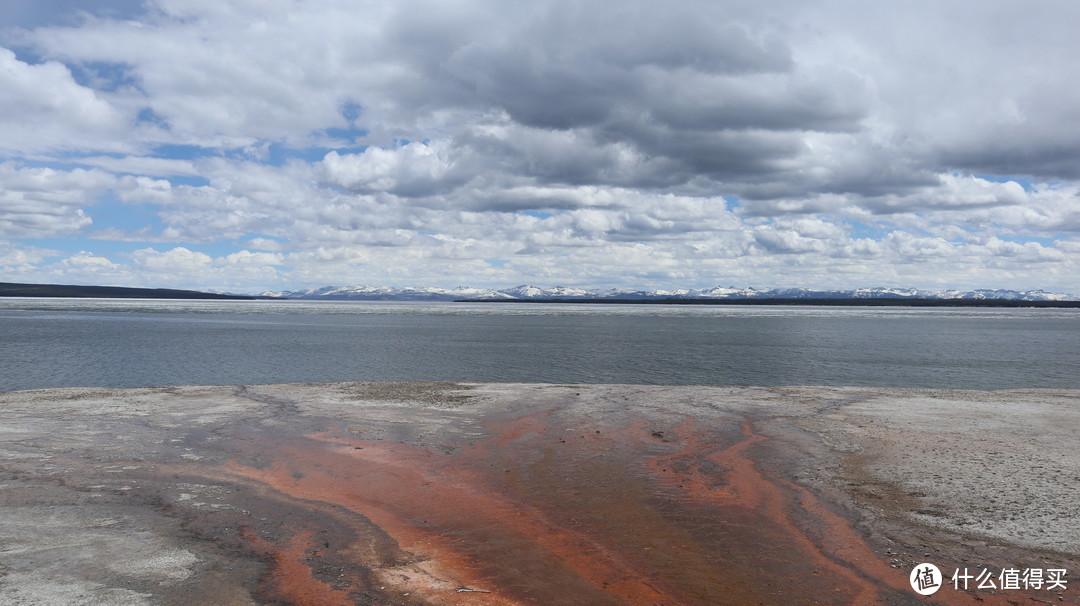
<point>251,145</point>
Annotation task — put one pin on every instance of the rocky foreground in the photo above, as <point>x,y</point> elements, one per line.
<point>419,493</point>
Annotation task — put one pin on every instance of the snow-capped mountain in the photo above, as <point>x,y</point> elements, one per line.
<point>526,292</point>
<point>555,292</point>
<point>386,293</point>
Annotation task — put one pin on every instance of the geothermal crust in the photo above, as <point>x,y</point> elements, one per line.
<point>464,493</point>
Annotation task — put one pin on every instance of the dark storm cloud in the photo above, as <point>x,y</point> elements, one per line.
<point>566,65</point>
<point>691,92</point>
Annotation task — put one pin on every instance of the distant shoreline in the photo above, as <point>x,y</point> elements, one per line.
<point>12,289</point>
<point>824,302</point>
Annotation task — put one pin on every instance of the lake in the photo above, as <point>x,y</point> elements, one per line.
<point>131,343</point>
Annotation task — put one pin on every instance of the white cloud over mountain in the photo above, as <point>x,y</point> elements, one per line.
<point>280,145</point>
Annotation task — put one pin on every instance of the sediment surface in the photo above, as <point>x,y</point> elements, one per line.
<point>422,493</point>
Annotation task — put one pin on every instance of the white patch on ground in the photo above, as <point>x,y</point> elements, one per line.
<point>64,555</point>
<point>32,589</point>
<point>1002,465</point>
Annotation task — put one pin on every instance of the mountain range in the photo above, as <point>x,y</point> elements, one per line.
<point>528,292</point>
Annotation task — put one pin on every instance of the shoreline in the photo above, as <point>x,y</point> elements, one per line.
<point>799,301</point>
<point>483,493</point>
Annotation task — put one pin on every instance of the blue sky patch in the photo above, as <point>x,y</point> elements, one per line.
<point>539,214</point>
<point>351,111</point>
<point>108,77</point>
<point>175,151</point>
<point>864,231</point>
<point>111,212</point>
<point>148,115</point>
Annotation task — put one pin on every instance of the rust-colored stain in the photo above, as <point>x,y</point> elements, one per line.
<point>290,578</point>
<point>542,511</point>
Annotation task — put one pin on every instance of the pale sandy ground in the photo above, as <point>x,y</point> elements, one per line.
<point>958,478</point>
<point>970,475</point>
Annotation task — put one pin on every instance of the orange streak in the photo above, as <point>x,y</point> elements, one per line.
<point>290,578</point>
<point>555,512</point>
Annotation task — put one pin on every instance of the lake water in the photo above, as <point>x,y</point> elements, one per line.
<point>129,343</point>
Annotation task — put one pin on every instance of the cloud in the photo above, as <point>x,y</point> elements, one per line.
<point>789,143</point>
<point>153,267</point>
<point>19,260</point>
<point>43,202</point>
<point>142,166</point>
<point>43,108</point>
<point>561,65</point>
<point>414,169</point>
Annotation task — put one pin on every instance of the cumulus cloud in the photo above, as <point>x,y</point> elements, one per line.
<point>43,108</point>
<point>20,260</point>
<point>43,202</point>
<point>414,169</point>
<point>788,143</point>
<point>152,267</point>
